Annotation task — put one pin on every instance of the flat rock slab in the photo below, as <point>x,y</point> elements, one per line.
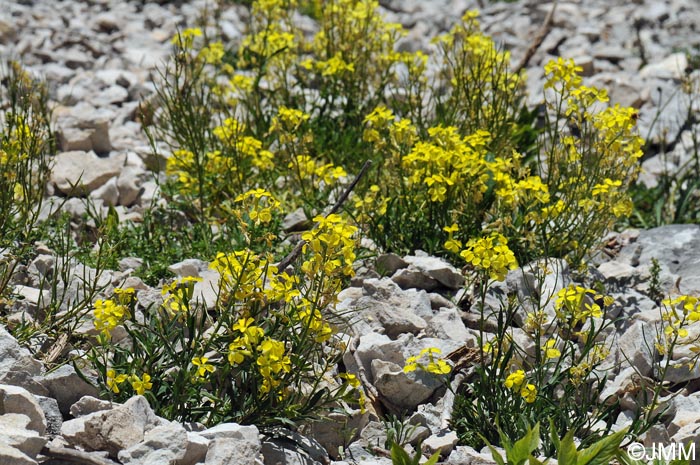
<point>77,173</point>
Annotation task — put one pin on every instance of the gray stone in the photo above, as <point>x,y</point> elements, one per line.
<point>231,431</point>
<point>438,269</point>
<point>636,345</point>
<point>15,432</point>
<point>537,285</point>
<point>197,447</point>
<point>108,193</point>
<point>447,324</point>
<point>14,399</point>
<point>71,139</point>
<point>672,67</point>
<point>14,358</point>
<point>335,431</point>
<point>113,430</point>
<point>229,451</point>
<point>166,445</point>
<point>130,185</point>
<point>389,263</point>
<point>443,442</point>
<point>14,456</point>
<point>465,455</point>
<point>88,404</point>
<point>413,278</point>
<point>54,418</point>
<point>78,172</point>
<point>295,221</point>
<point>286,447</point>
<point>67,387</point>
<point>402,390</point>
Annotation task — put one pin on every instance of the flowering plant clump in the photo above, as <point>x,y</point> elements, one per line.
<point>551,369</point>
<point>251,355</point>
<point>25,141</point>
<point>280,121</point>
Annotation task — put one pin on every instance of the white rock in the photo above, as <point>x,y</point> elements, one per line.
<point>87,405</point>
<point>67,387</point>
<point>229,451</point>
<point>14,358</point>
<point>113,430</point>
<point>14,432</point>
<point>438,269</point>
<point>671,67</point>
<point>14,456</point>
<point>197,447</point>
<point>447,324</point>
<point>108,193</point>
<point>14,399</point>
<point>295,221</point>
<point>163,445</point>
<point>443,442</point>
<point>465,455</point>
<point>636,344</point>
<point>403,390</point>
<point>78,172</point>
<point>130,185</point>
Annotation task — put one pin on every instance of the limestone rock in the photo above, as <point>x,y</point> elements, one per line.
<point>67,387</point>
<point>14,399</point>
<point>79,172</point>
<point>113,430</point>
<point>165,445</point>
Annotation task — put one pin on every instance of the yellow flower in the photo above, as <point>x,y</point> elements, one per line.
<point>203,366</point>
<point>515,379</point>
<point>351,379</point>
<point>114,380</point>
<point>435,366</point>
<point>529,393</point>
<point>550,350</point>
<point>142,384</point>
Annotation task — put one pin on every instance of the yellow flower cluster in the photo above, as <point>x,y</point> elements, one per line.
<point>575,304</point>
<point>312,320</point>
<point>243,149</point>
<point>139,384</point>
<point>306,168</point>
<point>588,169</point>
<point>448,160</point>
<point>185,39</point>
<point>516,382</point>
<point>269,354</point>
<point>333,246</point>
<point>259,204</point>
<point>353,41</point>
<point>243,274</point>
<point>437,366</point>
<point>177,296</point>
<point>491,255</point>
<point>355,384</point>
<point>679,313</point>
<point>579,373</point>
<point>108,315</point>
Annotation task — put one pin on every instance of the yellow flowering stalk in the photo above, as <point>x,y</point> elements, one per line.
<point>178,295</point>
<point>108,315</point>
<point>490,255</point>
<point>437,366</point>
